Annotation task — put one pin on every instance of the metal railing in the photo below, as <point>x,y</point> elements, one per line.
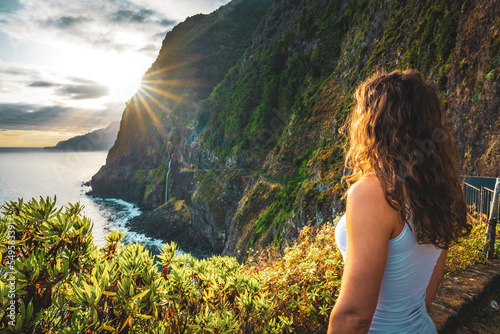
<point>479,200</point>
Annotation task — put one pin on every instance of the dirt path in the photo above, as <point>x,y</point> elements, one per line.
<point>487,317</point>
<point>466,301</point>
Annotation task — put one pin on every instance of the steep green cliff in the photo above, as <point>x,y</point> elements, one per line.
<point>194,58</point>
<point>260,155</point>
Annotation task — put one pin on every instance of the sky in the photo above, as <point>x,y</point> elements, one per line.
<point>67,67</point>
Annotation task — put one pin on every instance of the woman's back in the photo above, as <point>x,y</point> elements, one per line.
<point>403,209</point>
<point>401,305</point>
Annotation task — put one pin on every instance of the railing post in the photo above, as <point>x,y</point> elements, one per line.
<point>489,245</point>
<point>482,203</point>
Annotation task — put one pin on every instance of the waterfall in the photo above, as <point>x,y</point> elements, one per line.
<point>166,181</point>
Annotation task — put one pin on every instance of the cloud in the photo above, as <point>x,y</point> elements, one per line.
<point>29,117</point>
<point>75,89</point>
<point>96,23</point>
<point>67,22</point>
<point>125,15</point>
<point>14,70</point>
<point>41,84</point>
<point>148,49</point>
<point>104,41</point>
<point>17,80</point>
<point>21,116</point>
<point>167,22</point>
<point>82,89</point>
<point>28,81</point>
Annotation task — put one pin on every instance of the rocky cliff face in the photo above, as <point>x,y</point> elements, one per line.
<point>246,131</point>
<point>157,124</point>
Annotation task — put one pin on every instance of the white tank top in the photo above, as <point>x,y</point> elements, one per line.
<point>401,303</point>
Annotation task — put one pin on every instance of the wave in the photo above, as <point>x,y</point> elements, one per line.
<point>116,213</point>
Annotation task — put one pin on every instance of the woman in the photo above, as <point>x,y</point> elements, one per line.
<point>402,213</point>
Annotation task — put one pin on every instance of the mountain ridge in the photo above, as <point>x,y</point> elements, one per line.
<point>97,140</point>
<point>259,155</point>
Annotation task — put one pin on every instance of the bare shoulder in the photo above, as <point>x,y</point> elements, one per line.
<point>368,194</point>
<point>368,188</point>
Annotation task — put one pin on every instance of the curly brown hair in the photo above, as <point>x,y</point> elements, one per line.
<point>396,131</point>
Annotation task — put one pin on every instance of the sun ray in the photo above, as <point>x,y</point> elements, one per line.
<point>152,116</point>
<point>178,83</point>
<point>168,68</point>
<point>159,104</point>
<point>169,95</point>
<point>140,119</point>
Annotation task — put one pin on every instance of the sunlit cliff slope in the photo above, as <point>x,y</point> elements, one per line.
<point>233,139</point>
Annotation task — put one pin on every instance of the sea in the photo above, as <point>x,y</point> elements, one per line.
<point>35,172</point>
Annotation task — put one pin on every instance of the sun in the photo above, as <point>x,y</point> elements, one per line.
<point>121,72</point>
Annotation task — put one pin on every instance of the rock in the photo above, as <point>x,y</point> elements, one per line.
<point>462,292</point>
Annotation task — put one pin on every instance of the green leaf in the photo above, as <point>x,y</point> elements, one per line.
<point>140,295</point>
<point>37,318</point>
<point>144,316</point>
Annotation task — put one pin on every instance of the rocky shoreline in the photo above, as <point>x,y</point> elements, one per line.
<point>171,222</point>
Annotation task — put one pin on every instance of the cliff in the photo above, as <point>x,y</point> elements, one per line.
<point>241,135</point>
<point>158,120</point>
<point>97,140</point>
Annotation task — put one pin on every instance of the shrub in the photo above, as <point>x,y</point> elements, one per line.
<point>469,250</point>
<point>64,284</point>
<point>305,281</point>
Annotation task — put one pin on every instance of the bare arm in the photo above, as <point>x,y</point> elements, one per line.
<point>370,223</point>
<point>436,278</point>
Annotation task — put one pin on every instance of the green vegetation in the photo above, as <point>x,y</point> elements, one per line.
<point>273,105</point>
<point>435,37</point>
<point>277,212</point>
<point>279,100</point>
<point>66,285</point>
<point>63,284</point>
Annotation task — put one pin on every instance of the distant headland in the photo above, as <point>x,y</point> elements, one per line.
<point>97,140</point>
